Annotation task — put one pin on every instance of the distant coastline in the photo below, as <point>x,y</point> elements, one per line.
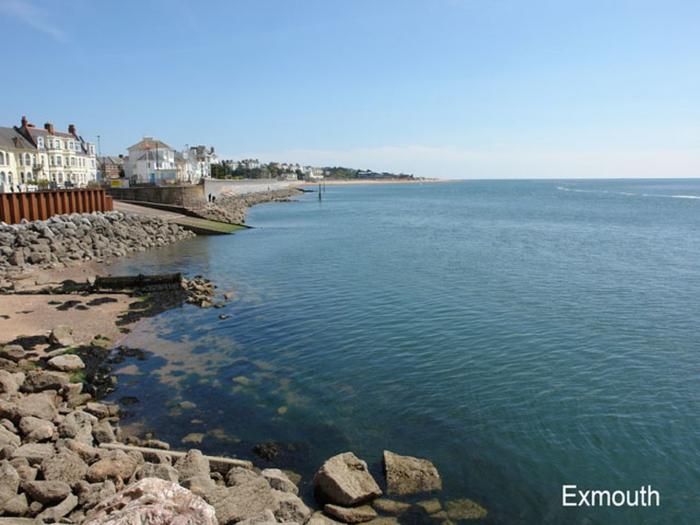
<point>356,182</point>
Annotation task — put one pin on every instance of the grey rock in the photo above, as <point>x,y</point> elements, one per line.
<point>278,480</point>
<point>78,425</point>
<point>103,432</point>
<point>15,506</point>
<point>40,380</point>
<point>35,453</point>
<point>8,383</point>
<point>115,465</point>
<point>47,492</point>
<point>59,511</point>
<point>35,429</point>
<point>290,507</point>
<point>266,517</point>
<point>192,464</point>
<point>200,485</point>
<point>8,438</point>
<point>234,504</point>
<point>66,363</point>
<point>41,405</point>
<point>409,475</point>
<point>344,479</point>
<point>99,410</point>
<point>12,352</point>
<point>319,518</point>
<point>62,335</point>
<point>350,514</point>
<point>390,506</point>
<point>66,466</point>
<point>9,482</point>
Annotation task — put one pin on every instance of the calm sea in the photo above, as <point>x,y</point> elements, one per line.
<point>522,335</point>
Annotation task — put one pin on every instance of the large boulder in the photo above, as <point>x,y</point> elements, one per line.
<point>40,380</point>
<point>78,426</point>
<point>42,405</point>
<point>408,475</point>
<point>35,429</point>
<point>66,363</point>
<point>344,479</point>
<point>66,466</point>
<point>248,498</point>
<point>153,501</point>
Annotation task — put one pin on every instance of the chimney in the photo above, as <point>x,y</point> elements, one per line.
<point>49,127</point>
<point>24,121</point>
<point>71,129</point>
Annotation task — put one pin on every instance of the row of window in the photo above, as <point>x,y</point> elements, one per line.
<point>25,178</point>
<point>55,143</point>
<point>25,159</point>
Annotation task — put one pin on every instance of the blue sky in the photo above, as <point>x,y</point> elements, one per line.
<point>448,88</point>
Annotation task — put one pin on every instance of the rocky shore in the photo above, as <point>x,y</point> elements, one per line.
<point>64,459</point>
<point>232,209</point>
<point>70,239</point>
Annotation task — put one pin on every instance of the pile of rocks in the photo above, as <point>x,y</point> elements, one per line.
<point>83,237</point>
<point>350,494</point>
<point>202,292</point>
<point>232,208</point>
<point>63,458</point>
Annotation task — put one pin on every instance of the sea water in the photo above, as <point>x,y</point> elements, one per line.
<point>523,335</point>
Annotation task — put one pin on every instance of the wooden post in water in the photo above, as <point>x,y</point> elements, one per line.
<point>319,191</point>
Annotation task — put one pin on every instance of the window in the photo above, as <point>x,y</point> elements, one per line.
<point>2,158</point>
<point>40,142</point>
<point>27,160</point>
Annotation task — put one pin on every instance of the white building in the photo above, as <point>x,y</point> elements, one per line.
<point>199,160</point>
<point>151,161</point>
<point>31,156</point>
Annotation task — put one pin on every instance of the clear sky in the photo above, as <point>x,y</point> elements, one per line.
<point>448,88</point>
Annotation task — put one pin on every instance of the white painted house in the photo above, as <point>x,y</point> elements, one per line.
<point>151,161</point>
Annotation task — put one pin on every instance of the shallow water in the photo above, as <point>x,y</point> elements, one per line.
<point>522,335</point>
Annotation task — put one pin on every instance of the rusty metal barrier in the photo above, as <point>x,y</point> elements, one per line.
<point>40,205</point>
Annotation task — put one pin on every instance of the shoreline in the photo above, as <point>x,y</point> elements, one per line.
<point>39,333</point>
